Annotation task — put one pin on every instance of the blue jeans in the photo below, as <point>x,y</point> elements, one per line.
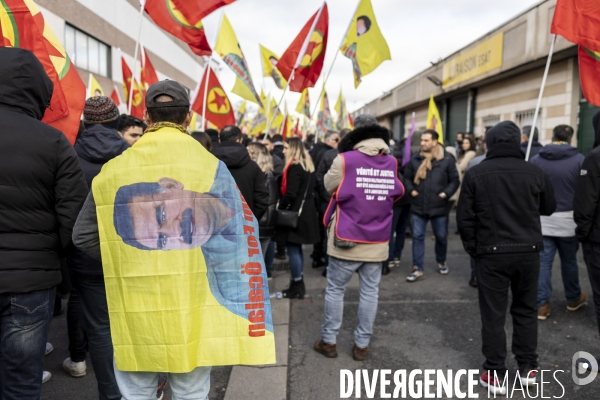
<point>339,273</point>
<point>567,250</point>
<point>419,226</point>
<point>399,222</point>
<point>24,324</point>
<point>92,294</point>
<point>193,385</point>
<point>296,257</point>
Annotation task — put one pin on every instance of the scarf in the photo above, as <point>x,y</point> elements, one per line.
<point>284,178</point>
<point>159,125</point>
<point>425,166</point>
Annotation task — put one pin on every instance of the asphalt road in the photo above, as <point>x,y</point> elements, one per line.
<point>431,324</point>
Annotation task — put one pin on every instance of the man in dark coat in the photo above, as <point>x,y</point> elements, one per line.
<point>42,189</point>
<point>536,146</point>
<point>99,143</point>
<point>277,150</point>
<point>586,211</point>
<point>431,178</point>
<point>246,173</point>
<point>498,218</point>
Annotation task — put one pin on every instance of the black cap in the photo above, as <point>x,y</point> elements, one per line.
<point>168,88</point>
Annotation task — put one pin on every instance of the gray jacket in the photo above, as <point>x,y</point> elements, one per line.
<point>85,232</point>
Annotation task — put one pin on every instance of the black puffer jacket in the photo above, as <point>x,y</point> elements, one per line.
<point>42,187</point>
<point>586,206</point>
<point>443,177</point>
<point>322,169</point>
<point>247,175</point>
<point>95,146</point>
<point>502,198</point>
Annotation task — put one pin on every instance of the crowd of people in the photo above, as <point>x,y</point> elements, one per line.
<point>353,196</point>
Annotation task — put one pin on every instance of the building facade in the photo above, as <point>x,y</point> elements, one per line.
<point>95,34</point>
<point>496,78</point>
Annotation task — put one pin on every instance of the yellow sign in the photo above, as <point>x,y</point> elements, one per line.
<point>480,59</point>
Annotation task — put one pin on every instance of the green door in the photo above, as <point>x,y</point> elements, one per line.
<point>457,118</point>
<point>585,130</point>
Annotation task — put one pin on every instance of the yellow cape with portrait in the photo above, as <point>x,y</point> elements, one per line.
<point>184,273</point>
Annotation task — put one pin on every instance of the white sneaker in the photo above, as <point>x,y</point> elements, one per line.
<point>46,376</point>
<point>76,369</point>
<point>443,268</point>
<point>49,348</point>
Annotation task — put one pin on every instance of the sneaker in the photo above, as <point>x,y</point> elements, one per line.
<point>49,348</point>
<point>544,311</point>
<point>162,384</point>
<point>415,275</point>
<point>269,275</point>
<point>443,269</point>
<point>579,303</point>
<point>75,369</point>
<point>328,350</point>
<point>395,263</point>
<point>527,375</point>
<point>490,383</point>
<point>360,353</point>
<point>46,376</point>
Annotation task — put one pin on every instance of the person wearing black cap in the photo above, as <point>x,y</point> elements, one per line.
<point>498,218</point>
<point>586,212</point>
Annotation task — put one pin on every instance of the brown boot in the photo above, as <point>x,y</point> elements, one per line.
<point>328,350</point>
<point>360,353</point>
<point>544,311</point>
<point>576,305</point>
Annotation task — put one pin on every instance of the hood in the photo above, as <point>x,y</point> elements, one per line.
<point>352,139</point>
<point>234,155</point>
<point>507,133</point>
<point>558,151</point>
<point>24,85</point>
<point>596,124</point>
<point>99,144</point>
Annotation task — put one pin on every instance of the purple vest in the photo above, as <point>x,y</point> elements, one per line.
<point>364,201</point>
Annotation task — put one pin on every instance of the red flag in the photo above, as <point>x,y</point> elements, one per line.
<point>23,26</point>
<point>306,54</point>
<point>218,106</point>
<point>177,18</point>
<point>115,96</point>
<point>198,9</point>
<point>578,21</point>
<point>148,74</point>
<point>351,120</point>
<point>138,106</point>
<point>589,70</point>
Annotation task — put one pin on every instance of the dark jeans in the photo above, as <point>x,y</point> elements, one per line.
<point>419,225</point>
<point>496,274</point>
<point>93,302</point>
<point>320,247</point>
<point>591,255</point>
<point>78,345</point>
<point>270,256</point>
<point>567,250</point>
<point>24,324</point>
<point>399,222</point>
<point>296,257</point>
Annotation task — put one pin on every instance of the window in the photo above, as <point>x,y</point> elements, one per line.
<point>525,118</point>
<point>87,52</point>
<point>490,121</point>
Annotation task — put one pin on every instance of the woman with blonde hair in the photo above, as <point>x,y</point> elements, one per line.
<point>297,188</point>
<point>260,155</point>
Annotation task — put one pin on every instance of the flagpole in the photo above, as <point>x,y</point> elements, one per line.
<point>278,104</point>
<point>135,57</point>
<point>332,64</point>
<point>208,76</point>
<point>301,55</point>
<point>539,101</point>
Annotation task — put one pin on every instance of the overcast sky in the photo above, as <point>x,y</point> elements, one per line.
<point>417,32</point>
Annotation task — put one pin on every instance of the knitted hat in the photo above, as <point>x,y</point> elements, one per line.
<point>99,110</point>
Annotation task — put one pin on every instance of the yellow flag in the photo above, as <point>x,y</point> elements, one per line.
<point>364,43</point>
<point>230,51</point>
<point>303,106</point>
<point>259,123</point>
<point>276,116</point>
<point>194,122</point>
<point>240,114</point>
<point>434,121</point>
<point>269,62</point>
<point>94,88</point>
<point>324,121</point>
<point>342,112</point>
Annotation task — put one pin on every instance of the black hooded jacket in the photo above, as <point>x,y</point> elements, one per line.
<point>42,187</point>
<point>247,175</point>
<point>586,206</point>
<point>502,198</point>
<point>95,146</point>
